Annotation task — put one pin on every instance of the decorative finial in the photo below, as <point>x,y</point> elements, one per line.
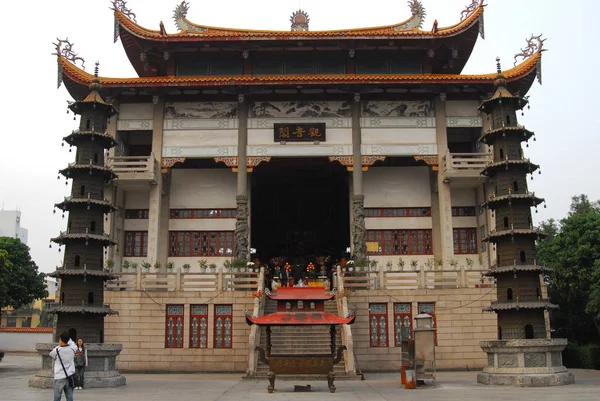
<point>299,20</point>
<point>95,84</point>
<point>97,63</point>
<point>121,5</point>
<point>498,67</point>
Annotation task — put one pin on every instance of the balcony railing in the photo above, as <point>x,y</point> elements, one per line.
<point>135,168</point>
<point>464,165</point>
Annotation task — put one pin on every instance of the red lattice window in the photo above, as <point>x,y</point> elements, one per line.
<point>198,326</point>
<point>401,242</point>
<point>378,325</point>
<point>200,243</point>
<point>459,211</point>
<point>223,326</point>
<point>398,212</point>
<point>203,213</point>
<point>136,213</point>
<point>465,240</point>
<point>402,322</point>
<point>136,243</point>
<point>429,308</point>
<point>174,327</point>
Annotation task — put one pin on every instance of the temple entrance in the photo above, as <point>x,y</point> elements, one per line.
<point>300,209</point>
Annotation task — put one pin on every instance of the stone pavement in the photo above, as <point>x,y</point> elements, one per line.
<point>15,370</point>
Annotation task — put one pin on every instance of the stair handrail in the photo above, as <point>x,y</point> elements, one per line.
<point>347,339</point>
<point>254,336</point>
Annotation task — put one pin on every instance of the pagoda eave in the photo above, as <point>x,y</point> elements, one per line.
<point>82,272</point>
<point>74,169</point>
<point>106,139</point>
<point>493,168</point>
<point>501,133</point>
<point>66,205</point>
<point>496,271</point>
<point>299,319</point>
<point>517,305</point>
<point>64,238</point>
<point>496,201</point>
<point>495,236</point>
<point>102,310</point>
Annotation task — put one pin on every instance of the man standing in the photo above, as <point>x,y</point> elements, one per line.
<point>64,366</point>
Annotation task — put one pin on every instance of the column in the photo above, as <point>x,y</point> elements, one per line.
<point>241,225</point>
<point>155,204</point>
<point>446,244</point>
<point>358,230</point>
<point>111,193</point>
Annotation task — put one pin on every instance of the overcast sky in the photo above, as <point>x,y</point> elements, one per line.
<point>563,110</point>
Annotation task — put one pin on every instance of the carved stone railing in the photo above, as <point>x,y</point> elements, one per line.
<point>423,278</point>
<point>456,165</point>
<point>347,339</point>
<point>254,337</point>
<point>142,280</point>
<point>134,167</point>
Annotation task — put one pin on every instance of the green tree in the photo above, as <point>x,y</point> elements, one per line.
<point>572,250</point>
<point>20,281</point>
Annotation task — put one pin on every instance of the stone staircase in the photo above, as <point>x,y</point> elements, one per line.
<point>301,340</point>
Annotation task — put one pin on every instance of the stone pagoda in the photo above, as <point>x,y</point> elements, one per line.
<point>80,309</point>
<point>524,354</point>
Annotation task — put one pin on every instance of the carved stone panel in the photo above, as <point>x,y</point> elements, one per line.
<point>295,109</point>
<point>490,358</point>
<point>507,361</point>
<point>397,109</point>
<point>194,110</point>
<point>535,360</point>
<point>556,359</point>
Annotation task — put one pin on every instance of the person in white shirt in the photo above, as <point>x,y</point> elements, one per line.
<point>66,350</point>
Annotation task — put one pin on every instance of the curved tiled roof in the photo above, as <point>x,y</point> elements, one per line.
<point>203,32</point>
<point>103,310</point>
<point>519,268</point>
<point>498,306</point>
<point>84,78</point>
<point>516,131</point>
<point>80,272</point>
<point>103,136</point>
<point>502,199</point>
<point>104,204</point>
<point>504,164</point>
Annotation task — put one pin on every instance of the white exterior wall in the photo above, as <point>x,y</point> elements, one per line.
<point>10,225</point>
<point>397,187</point>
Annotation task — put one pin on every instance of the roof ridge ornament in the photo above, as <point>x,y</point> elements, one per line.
<point>121,5</point>
<point>179,16</point>
<point>68,53</point>
<point>299,20</point>
<point>470,9</point>
<point>418,16</point>
<point>535,44</point>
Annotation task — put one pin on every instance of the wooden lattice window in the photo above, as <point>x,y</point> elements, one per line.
<point>174,327</point>
<point>136,213</point>
<point>398,212</point>
<point>378,325</point>
<point>223,326</point>
<point>198,326</point>
<point>402,322</point>
<point>200,243</point>
<point>459,211</point>
<point>136,243</point>
<point>202,213</point>
<point>429,308</point>
<point>465,240</point>
<point>401,242</point>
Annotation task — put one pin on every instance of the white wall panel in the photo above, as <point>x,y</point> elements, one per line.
<point>202,188</point>
<point>137,200</point>
<point>397,187</point>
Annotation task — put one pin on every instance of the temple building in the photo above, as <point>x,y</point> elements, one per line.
<point>236,145</point>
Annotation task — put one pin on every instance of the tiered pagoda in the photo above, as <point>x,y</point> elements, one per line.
<point>81,307</point>
<point>526,355</point>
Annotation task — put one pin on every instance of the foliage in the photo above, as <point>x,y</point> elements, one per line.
<point>134,266</point>
<point>572,250</point>
<point>170,265</point>
<point>583,357</point>
<point>146,265</point>
<point>186,266</point>
<point>125,265</point>
<point>20,281</point>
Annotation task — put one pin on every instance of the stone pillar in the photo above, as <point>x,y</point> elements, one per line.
<point>242,231</point>
<point>446,245</point>
<point>155,204</point>
<point>359,245</point>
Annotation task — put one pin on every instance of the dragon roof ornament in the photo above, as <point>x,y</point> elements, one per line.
<point>179,16</point>
<point>418,16</point>
<point>535,44</point>
<point>470,9</point>
<point>121,5</point>
<point>64,48</point>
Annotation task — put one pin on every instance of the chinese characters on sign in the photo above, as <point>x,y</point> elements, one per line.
<point>299,132</point>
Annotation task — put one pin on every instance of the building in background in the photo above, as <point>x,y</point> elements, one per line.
<point>298,144</point>
<point>30,315</point>
<point>10,225</point>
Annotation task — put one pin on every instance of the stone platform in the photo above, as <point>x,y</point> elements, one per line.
<point>525,363</point>
<point>100,372</point>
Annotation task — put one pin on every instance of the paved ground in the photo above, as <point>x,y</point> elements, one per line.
<point>15,370</point>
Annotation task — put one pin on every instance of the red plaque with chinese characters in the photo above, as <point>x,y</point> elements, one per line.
<point>305,132</point>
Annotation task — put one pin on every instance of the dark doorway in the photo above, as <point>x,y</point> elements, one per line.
<point>300,209</point>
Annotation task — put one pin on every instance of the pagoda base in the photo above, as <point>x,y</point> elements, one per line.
<point>100,372</point>
<point>525,363</point>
